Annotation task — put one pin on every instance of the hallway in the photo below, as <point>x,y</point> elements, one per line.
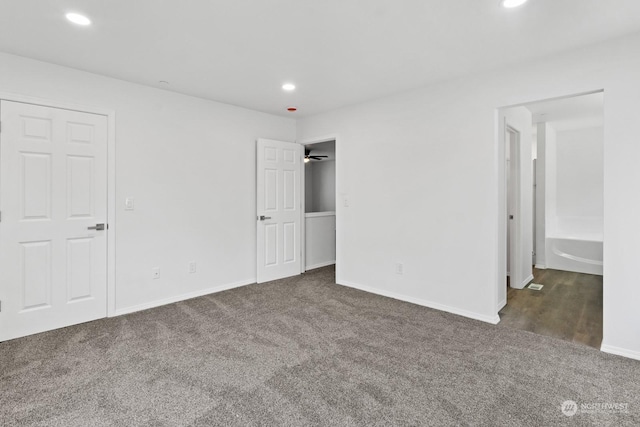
<point>568,307</point>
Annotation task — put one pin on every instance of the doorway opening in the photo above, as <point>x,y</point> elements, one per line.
<point>296,207</point>
<point>319,196</point>
<point>559,201</point>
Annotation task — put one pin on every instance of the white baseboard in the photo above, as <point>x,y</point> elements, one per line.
<point>540,266</point>
<point>524,283</point>
<point>620,351</point>
<point>527,280</point>
<point>437,306</point>
<point>178,298</point>
<point>502,304</point>
<point>322,264</point>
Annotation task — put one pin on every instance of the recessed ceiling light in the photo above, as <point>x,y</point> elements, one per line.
<point>288,87</point>
<point>78,19</point>
<point>512,3</point>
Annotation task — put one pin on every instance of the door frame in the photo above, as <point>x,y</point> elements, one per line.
<point>111,178</point>
<point>303,230</point>
<point>503,127</point>
<point>500,179</point>
<point>515,243</point>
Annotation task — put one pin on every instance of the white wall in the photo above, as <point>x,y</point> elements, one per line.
<point>308,187</point>
<point>580,174</point>
<point>320,242</point>
<point>547,161</point>
<point>541,184</point>
<point>574,178</point>
<point>323,186</point>
<point>190,165</point>
<point>430,198</point>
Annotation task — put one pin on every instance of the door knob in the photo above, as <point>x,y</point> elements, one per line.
<point>97,227</point>
<point>262,217</point>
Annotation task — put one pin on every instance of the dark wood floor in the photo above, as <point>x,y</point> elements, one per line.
<point>569,307</point>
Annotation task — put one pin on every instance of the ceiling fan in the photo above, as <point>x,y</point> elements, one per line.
<point>308,157</point>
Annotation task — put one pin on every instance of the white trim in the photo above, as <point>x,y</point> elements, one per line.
<point>326,138</point>
<point>525,282</point>
<point>540,266</point>
<point>322,264</point>
<point>499,258</point>
<point>111,215</point>
<point>183,297</point>
<point>437,306</point>
<point>318,214</point>
<point>620,351</point>
<point>526,102</point>
<point>25,99</point>
<point>303,227</point>
<point>515,152</point>
<point>303,213</point>
<point>502,304</point>
<point>111,178</point>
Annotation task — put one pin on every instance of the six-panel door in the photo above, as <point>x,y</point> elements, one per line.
<point>278,201</point>
<point>53,187</point>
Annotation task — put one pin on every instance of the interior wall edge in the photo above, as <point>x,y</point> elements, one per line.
<point>494,320</point>
<point>618,351</point>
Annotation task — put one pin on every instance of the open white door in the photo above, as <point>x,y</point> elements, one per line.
<point>53,199</point>
<point>512,172</point>
<point>278,209</point>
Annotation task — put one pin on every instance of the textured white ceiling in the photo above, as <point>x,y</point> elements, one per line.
<point>338,52</point>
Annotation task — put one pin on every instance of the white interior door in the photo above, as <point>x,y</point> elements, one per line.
<point>509,202</point>
<point>513,185</point>
<point>53,191</point>
<point>278,209</point>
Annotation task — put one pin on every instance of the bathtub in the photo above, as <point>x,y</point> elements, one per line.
<point>579,253</point>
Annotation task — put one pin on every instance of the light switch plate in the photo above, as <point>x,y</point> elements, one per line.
<point>128,204</point>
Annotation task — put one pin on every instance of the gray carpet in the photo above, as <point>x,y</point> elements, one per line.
<point>305,351</point>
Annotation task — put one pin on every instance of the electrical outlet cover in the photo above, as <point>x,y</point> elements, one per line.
<point>399,268</point>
